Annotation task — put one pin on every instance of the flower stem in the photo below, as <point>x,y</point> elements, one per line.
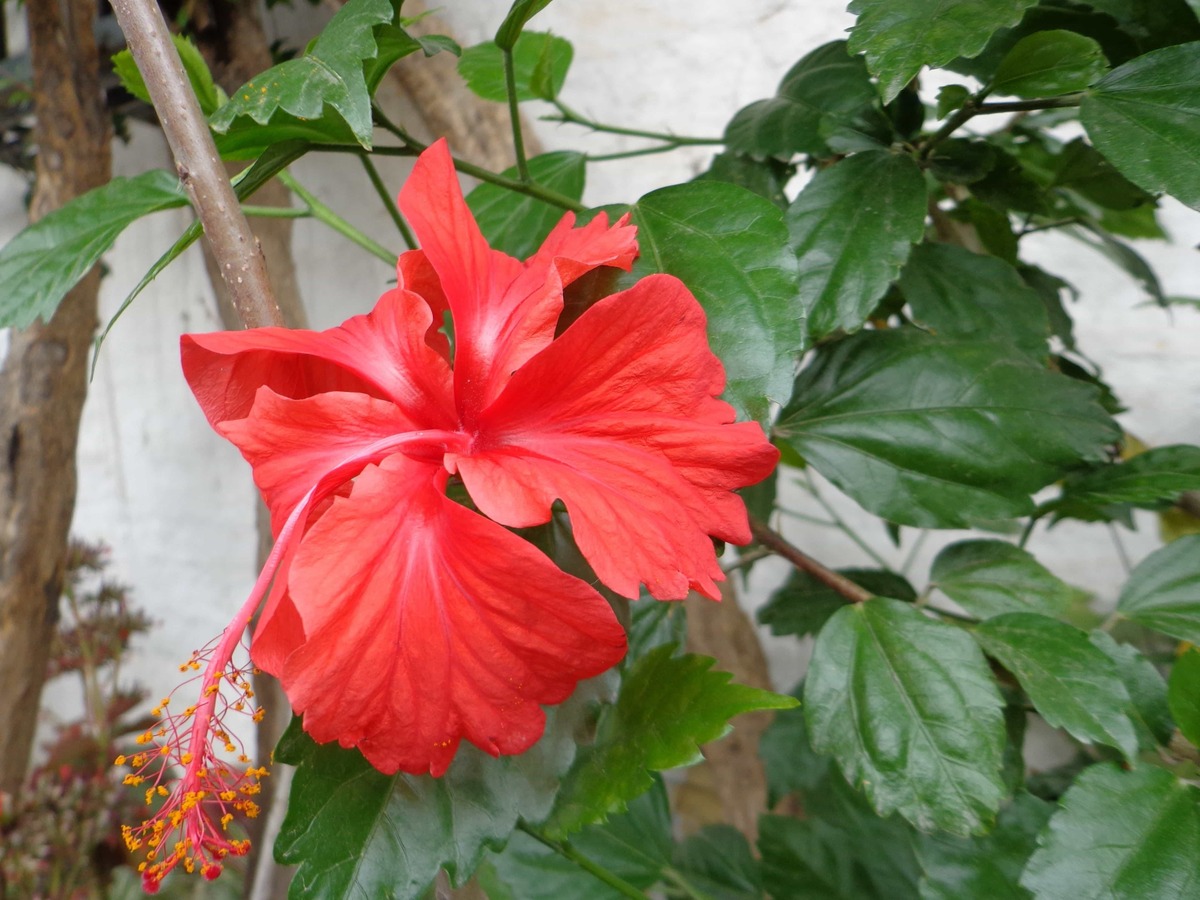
<point>323,213</point>
<point>275,212</point>
<point>388,204</point>
<point>514,113</point>
<point>564,849</point>
<point>571,117</point>
<point>775,542</point>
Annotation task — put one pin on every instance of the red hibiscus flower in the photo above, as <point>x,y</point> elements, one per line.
<point>401,621</point>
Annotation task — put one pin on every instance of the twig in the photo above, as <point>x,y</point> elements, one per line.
<point>388,203</point>
<point>775,542</point>
<point>571,117</point>
<point>514,113</point>
<point>564,849</point>
<point>199,165</point>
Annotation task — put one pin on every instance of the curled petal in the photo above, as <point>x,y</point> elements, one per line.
<point>576,251</point>
<point>427,624</point>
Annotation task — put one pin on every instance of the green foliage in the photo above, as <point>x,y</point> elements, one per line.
<point>1125,835</point>
<point>989,578</point>
<point>804,604</point>
<point>1049,62</point>
<point>207,93</point>
<point>518,16</point>
<point>540,64</point>
<point>910,711</point>
<point>518,223</point>
<point>1148,708</point>
<point>1184,695</point>
<point>729,247</point>
<point>1147,481</point>
<point>1163,592</point>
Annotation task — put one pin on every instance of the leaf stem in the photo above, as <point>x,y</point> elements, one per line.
<point>388,203</point>
<point>1062,102</point>
<point>974,106</point>
<point>775,542</point>
<point>571,117</point>
<point>564,849</point>
<point>275,212</point>
<point>514,114</point>
<point>327,216</point>
<point>675,877</point>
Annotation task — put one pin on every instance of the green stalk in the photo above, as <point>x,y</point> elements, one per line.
<point>514,114</point>
<point>571,117</point>
<point>388,204</point>
<point>565,850</point>
<point>327,216</point>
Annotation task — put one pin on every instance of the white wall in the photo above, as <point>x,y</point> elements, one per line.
<point>175,502</point>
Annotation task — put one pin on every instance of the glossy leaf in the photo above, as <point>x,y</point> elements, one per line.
<point>765,177</point>
<point>826,96</point>
<point>1163,592</point>
<point>1086,173</point>
<point>989,578</point>
<point>1120,836</point>
<point>46,259</point>
<point>322,96</point>
<point>518,16</point>
<point>1184,694</point>
<point>788,758</point>
<point>852,227</point>
<point>908,707</point>
<point>900,37</point>
<point>1144,117</point>
<point>1147,481</point>
<point>951,97</point>
<point>729,247</point>
<point>957,293</point>
<point>803,604</point>
<point>1072,684</point>
<point>207,93</point>
<point>986,866</point>
<point>516,223</point>
<point>355,832</point>
<point>895,419</point>
<point>540,64</point>
<point>717,862</point>
<point>1148,709</point>
<point>1049,62</point>
<point>667,707</point>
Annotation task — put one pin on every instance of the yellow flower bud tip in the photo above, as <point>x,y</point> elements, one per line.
<point>119,761</point>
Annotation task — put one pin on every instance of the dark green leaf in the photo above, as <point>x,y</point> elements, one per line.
<point>951,97</point>
<point>1120,836</point>
<point>908,707</point>
<point>517,223</point>
<point>355,832</point>
<point>653,624</point>
<point>896,419</point>
<point>1082,170</point>
<point>667,707</point>
<point>323,96</point>
<point>826,96</point>
<point>47,258</point>
<point>760,498</point>
<point>1163,592</point>
<point>994,229</point>
<point>766,177</point>
<point>518,16</point>
<point>788,757</point>
<point>483,67</point>
<point>852,228</point>
<point>1154,23</point>
<point>961,160</point>
<point>984,867</point>
<point>1183,695</point>
<point>1148,480</point>
<point>1072,684</point>
<point>804,604</point>
<point>990,578</point>
<point>1047,63</point>
<point>899,37</point>
<point>961,294</point>
<point>729,247</point>
<point>1122,255</point>
<point>1148,692</point>
<point>1144,116</point>
<point>717,862</point>
<point>1007,185</point>
<point>207,93</point>
<point>1050,289</point>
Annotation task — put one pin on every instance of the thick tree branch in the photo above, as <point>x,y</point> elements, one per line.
<point>775,542</point>
<point>198,163</point>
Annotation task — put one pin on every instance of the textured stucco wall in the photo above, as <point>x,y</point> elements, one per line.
<point>175,502</point>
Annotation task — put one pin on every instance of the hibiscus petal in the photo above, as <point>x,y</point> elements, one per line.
<point>618,419</point>
<point>383,354</point>
<point>427,624</point>
<point>576,251</point>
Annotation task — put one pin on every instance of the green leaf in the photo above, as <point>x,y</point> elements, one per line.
<point>951,97</point>
<point>899,37</point>
<point>988,866</point>
<point>1163,592</point>
<point>897,419</point>
<point>957,293</point>
<point>962,160</point>
<point>1049,62</point>
<point>207,93</point>
<point>517,223</point>
<point>803,604</point>
<point>1120,836</point>
<point>718,863</point>
<point>852,227</point>
<point>766,177</point>
<point>1050,289</point>
<point>1154,23</point>
<point>1148,692</point>
<point>518,16</point>
<point>729,247</point>
<point>1122,255</point>
<point>654,624</point>
<point>908,707</point>
<point>788,757</point>
<point>540,64</point>
<point>46,259</point>
<point>667,707</point>
<point>1147,481</point>
<point>826,96</point>
<point>1072,684</point>
<point>1183,694</point>
<point>355,832</point>
<point>1144,116</point>
<point>323,96</point>
<point>989,578</point>
<point>1084,172</point>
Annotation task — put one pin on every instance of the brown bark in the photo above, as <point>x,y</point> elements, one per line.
<point>43,379</point>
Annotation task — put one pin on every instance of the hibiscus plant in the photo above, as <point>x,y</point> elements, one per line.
<point>489,492</point>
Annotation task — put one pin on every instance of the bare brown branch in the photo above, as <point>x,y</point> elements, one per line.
<point>775,542</point>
